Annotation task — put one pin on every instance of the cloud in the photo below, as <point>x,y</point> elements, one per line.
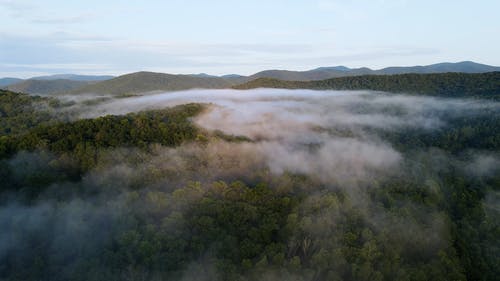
<point>42,14</point>
<point>57,66</point>
<point>16,7</point>
<point>362,55</point>
<point>123,55</point>
<point>63,20</point>
<point>484,164</point>
<point>324,134</point>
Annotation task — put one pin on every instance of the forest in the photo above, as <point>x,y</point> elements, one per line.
<point>266,184</point>
<point>483,85</point>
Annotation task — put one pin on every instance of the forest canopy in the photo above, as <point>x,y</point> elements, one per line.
<point>257,185</point>
<point>483,85</point>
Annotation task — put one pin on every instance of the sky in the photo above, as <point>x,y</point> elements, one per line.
<point>222,36</point>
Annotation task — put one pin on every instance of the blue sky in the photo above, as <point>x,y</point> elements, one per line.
<point>221,36</point>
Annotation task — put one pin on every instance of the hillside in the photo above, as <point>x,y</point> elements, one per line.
<point>46,87</point>
<point>141,82</point>
<point>402,201</point>
<point>323,73</point>
<point>21,112</point>
<point>74,77</point>
<point>9,81</point>
<point>443,84</point>
<point>465,67</point>
<point>320,73</point>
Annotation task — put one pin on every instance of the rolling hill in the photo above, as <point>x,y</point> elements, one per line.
<point>141,82</point>
<point>486,85</point>
<point>323,73</point>
<point>4,82</point>
<point>74,77</point>
<point>46,87</point>
<point>464,67</point>
<point>52,84</point>
<point>320,73</point>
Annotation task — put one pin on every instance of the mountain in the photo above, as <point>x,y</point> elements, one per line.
<point>288,75</point>
<point>203,75</point>
<point>74,77</point>
<point>319,73</point>
<point>141,82</point>
<point>233,79</point>
<point>322,73</point>
<point>485,85</point>
<point>52,84</point>
<point>231,76</point>
<point>465,67</point>
<point>330,68</point>
<point>9,81</point>
<point>46,87</point>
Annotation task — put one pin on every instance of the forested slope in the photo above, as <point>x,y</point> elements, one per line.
<point>485,85</point>
<point>20,112</point>
<point>142,82</point>
<point>150,196</point>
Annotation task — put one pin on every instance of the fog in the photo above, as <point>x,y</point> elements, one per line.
<point>331,135</point>
<point>334,138</point>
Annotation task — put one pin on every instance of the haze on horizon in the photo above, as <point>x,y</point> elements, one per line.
<point>221,37</point>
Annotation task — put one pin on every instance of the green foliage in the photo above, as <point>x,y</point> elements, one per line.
<point>426,224</point>
<point>21,112</point>
<point>46,87</point>
<point>478,131</point>
<point>484,85</point>
<point>82,141</point>
<point>141,82</point>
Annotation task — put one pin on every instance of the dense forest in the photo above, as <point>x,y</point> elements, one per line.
<point>484,85</point>
<point>20,112</point>
<point>151,195</point>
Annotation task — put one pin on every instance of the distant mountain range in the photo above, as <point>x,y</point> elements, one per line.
<point>9,81</point>
<point>46,87</point>
<point>74,77</point>
<point>52,84</point>
<point>322,73</point>
<point>141,82</point>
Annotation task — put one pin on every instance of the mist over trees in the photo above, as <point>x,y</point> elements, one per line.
<point>265,184</point>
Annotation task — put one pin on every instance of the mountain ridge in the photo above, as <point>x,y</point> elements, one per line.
<point>145,81</point>
<point>483,85</point>
<point>322,73</point>
<point>6,81</point>
<point>46,87</point>
<point>74,77</point>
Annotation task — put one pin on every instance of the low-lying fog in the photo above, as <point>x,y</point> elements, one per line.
<point>337,139</point>
<point>328,134</point>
